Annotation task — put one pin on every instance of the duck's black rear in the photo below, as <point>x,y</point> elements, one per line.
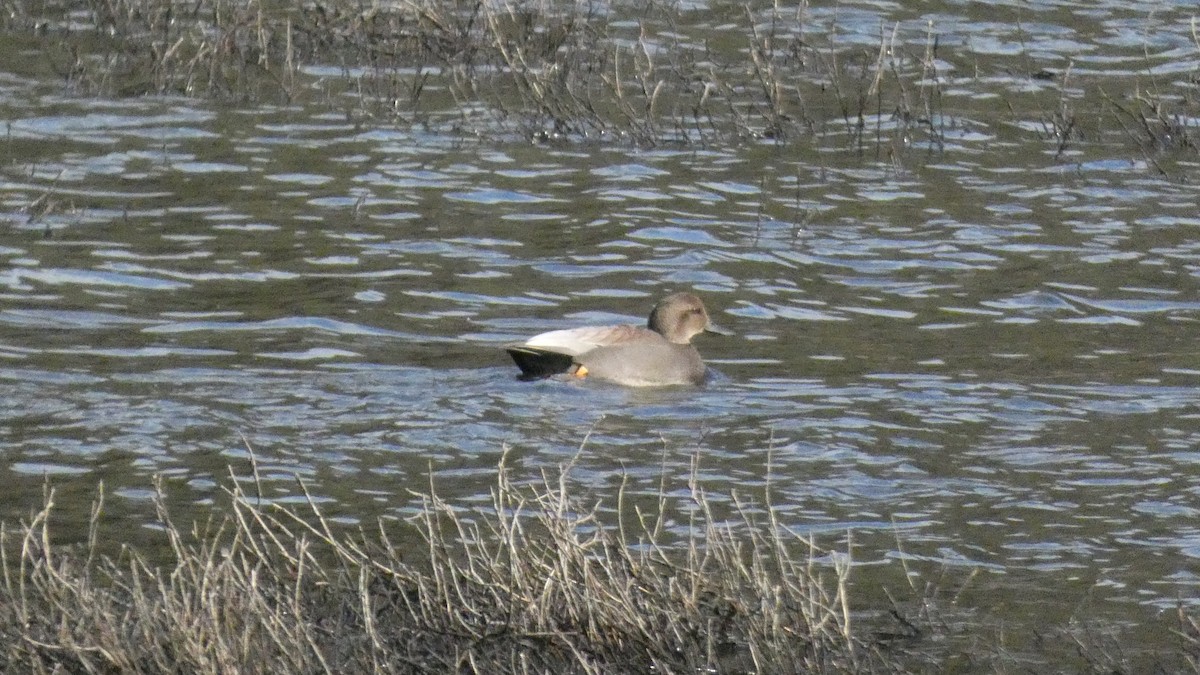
<point>536,364</point>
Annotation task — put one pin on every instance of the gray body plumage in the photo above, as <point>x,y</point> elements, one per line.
<point>658,355</point>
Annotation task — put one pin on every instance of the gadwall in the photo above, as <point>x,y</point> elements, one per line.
<point>657,355</point>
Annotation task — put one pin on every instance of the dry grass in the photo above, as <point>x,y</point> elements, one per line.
<point>546,70</point>
<point>569,70</point>
<point>533,583</point>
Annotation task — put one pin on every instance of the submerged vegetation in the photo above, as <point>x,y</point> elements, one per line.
<point>533,582</point>
<point>647,72</point>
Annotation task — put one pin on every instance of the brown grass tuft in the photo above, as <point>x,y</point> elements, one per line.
<point>532,583</point>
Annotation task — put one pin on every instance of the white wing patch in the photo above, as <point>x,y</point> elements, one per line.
<point>576,341</point>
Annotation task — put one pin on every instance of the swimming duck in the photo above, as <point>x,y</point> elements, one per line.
<point>658,355</point>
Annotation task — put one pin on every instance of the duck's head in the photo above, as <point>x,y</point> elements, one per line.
<point>680,317</point>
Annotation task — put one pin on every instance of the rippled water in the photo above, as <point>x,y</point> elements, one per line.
<point>981,354</point>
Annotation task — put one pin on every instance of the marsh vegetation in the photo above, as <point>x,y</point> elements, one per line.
<point>630,72</point>
<point>534,582</point>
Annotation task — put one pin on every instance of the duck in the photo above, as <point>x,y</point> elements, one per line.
<point>659,354</point>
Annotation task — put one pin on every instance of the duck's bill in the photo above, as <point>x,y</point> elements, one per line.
<point>719,330</point>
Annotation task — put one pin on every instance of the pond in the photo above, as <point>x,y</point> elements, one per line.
<point>968,340</point>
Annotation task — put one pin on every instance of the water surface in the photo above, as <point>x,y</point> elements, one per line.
<point>976,354</point>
